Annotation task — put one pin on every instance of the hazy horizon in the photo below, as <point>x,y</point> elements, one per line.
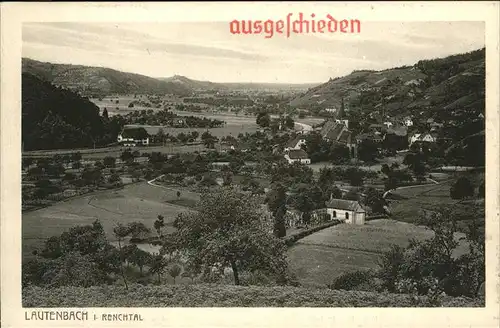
<point>208,52</point>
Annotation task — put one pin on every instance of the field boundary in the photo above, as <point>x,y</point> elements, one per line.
<point>292,239</point>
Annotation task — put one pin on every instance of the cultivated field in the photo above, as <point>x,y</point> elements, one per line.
<point>138,202</point>
<point>321,257</point>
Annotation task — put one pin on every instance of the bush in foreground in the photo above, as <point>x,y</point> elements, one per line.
<point>220,296</point>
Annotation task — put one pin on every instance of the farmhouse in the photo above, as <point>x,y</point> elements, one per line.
<point>295,143</point>
<point>297,155</point>
<point>346,210</point>
<point>421,137</point>
<point>130,137</point>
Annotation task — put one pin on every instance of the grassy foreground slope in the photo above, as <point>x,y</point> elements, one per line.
<point>203,295</point>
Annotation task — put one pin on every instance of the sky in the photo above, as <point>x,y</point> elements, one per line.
<point>208,51</point>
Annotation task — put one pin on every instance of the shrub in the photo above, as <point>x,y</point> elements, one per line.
<point>351,280</point>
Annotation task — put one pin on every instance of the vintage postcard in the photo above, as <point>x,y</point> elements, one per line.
<point>250,164</point>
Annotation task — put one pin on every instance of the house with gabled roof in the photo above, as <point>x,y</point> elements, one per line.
<point>349,211</point>
<point>132,136</point>
<point>295,143</point>
<point>422,137</point>
<point>297,156</point>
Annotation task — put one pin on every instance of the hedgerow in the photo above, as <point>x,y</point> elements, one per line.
<point>209,295</point>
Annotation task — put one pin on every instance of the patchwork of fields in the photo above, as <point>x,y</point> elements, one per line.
<point>138,202</point>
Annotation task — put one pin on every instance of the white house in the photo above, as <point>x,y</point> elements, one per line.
<point>295,144</point>
<point>130,137</point>
<point>297,155</point>
<point>422,137</point>
<point>388,124</point>
<point>408,121</point>
<point>346,210</point>
<point>343,121</point>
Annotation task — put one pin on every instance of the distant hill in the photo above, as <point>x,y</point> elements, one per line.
<point>100,80</point>
<point>194,84</point>
<point>55,118</point>
<point>447,84</point>
<point>206,85</point>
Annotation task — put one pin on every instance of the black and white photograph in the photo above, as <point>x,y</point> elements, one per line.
<point>312,160</point>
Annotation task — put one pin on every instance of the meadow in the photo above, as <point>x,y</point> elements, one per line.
<point>420,197</point>
<point>137,202</point>
<point>321,257</point>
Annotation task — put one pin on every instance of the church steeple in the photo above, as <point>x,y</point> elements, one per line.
<point>341,113</point>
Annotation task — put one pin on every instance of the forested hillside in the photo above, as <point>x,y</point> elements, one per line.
<point>99,80</point>
<point>53,117</point>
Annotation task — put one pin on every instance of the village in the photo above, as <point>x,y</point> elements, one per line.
<point>329,187</point>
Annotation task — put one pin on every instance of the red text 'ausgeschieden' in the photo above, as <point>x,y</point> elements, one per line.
<point>300,25</point>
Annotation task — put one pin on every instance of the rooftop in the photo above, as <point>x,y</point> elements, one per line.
<point>297,154</point>
<point>293,142</point>
<point>342,204</point>
<point>135,133</point>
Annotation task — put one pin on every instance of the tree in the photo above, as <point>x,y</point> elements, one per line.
<point>461,189</point>
<point>276,202</point>
<point>105,114</point>
<point>140,258</point>
<point>367,150</point>
<point>92,176</point>
<point>159,223</point>
<point>375,200</point>
<point>195,135</point>
<point>160,136</point>
<point>208,139</point>
<point>174,271</point>
<point>339,154</point>
<point>127,156</point>
<point>178,194</point>
<point>263,119</point>
<point>227,178</point>
<point>138,230</point>
<point>305,204</point>
<point>109,161</point>
<point>158,265</point>
<point>228,229</point>
<point>120,231</point>
<point>183,138</point>
<point>289,123</point>
<point>190,271</point>
<point>385,169</point>
<point>355,177</point>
